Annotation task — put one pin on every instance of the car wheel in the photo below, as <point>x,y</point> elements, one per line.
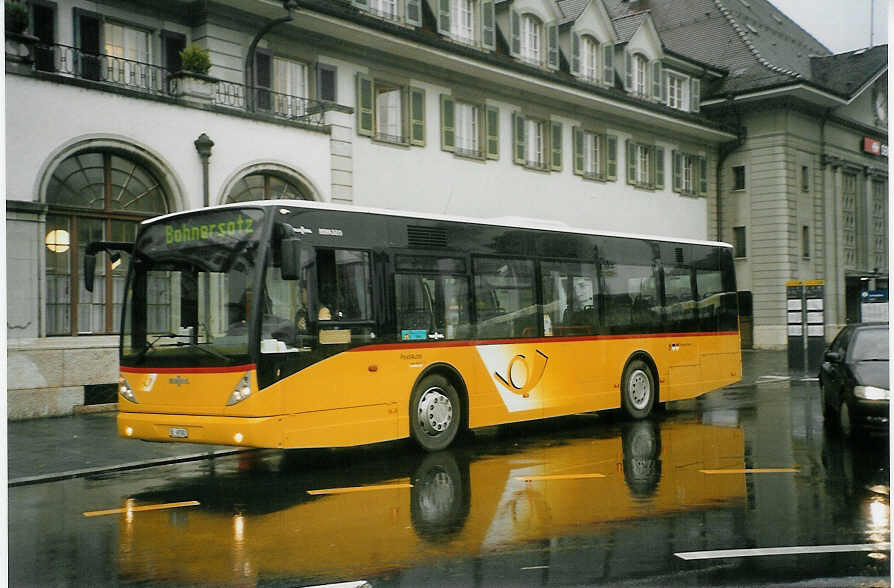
<point>435,413</point>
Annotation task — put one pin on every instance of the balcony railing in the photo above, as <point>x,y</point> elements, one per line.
<point>158,81</point>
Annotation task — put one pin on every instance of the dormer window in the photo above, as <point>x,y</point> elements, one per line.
<point>591,58</point>
<point>400,11</point>
<point>470,22</point>
<point>384,8</point>
<point>531,38</point>
<point>682,92</point>
<point>640,74</point>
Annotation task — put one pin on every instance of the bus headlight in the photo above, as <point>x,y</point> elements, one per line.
<point>242,391</point>
<point>125,390</point>
<point>871,393</point>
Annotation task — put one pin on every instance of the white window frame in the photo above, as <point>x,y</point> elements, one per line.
<point>591,59</point>
<point>468,118</point>
<point>640,75</point>
<point>677,90</point>
<point>687,176</point>
<point>385,8</point>
<point>593,146</point>
<point>531,37</point>
<point>462,20</point>
<point>643,165</point>
<point>535,140</point>
<point>289,79</point>
<point>389,120</point>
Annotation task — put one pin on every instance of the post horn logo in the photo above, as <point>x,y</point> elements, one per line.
<point>521,377</point>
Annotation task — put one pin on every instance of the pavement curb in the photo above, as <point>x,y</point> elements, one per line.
<point>136,465</point>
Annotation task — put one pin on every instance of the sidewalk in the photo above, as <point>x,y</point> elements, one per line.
<point>41,450</point>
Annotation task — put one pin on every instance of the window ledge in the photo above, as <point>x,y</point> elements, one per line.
<point>469,154</point>
<point>594,177</point>
<point>392,140</point>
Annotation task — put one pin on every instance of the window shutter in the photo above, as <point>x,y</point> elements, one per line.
<point>365,122</point>
<point>678,171</point>
<point>263,80</point>
<point>488,26</point>
<point>575,53</point>
<point>659,167</point>
<point>663,86</point>
<point>448,123</point>
<point>578,150</point>
<point>611,156</point>
<point>515,33</point>
<point>413,12</point>
<point>444,17</point>
<point>631,162</point>
<point>493,132</point>
<point>417,117</point>
<point>656,80</point>
<point>552,36</point>
<point>702,176</point>
<point>695,95</point>
<point>555,145</point>
<point>608,64</point>
<point>518,137</point>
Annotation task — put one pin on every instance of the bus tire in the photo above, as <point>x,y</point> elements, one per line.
<point>435,413</point>
<point>637,389</point>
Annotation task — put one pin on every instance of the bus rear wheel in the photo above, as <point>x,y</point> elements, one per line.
<point>435,413</point>
<point>637,389</point>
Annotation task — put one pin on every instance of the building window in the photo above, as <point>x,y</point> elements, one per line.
<point>595,155</point>
<point>531,38</point>
<point>739,249</point>
<point>690,174</point>
<point>265,186</point>
<point>645,165</point>
<point>462,22</point>
<point>880,224</point>
<point>805,242</point>
<point>805,178</point>
<point>537,143</point>
<point>640,75</point>
<point>384,8</point>
<point>389,112</point>
<point>849,219</point>
<point>128,51</point>
<point>327,82</point>
<point>93,196</point>
<point>469,129</point>
<point>591,58</point>
<point>738,177</point>
<point>677,91</point>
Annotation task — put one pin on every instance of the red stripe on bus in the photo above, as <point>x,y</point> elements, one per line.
<point>475,343</point>
<point>190,370</point>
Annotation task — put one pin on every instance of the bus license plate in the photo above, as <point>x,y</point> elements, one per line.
<point>178,433</point>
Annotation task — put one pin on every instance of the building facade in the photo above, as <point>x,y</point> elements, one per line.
<point>578,111</point>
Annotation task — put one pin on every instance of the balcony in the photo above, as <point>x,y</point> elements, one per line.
<point>152,80</point>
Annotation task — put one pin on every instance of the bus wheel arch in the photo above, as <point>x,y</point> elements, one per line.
<point>640,390</point>
<point>438,408</point>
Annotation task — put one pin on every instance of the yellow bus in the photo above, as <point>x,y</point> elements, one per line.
<point>292,324</point>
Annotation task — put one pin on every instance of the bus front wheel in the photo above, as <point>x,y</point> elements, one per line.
<point>637,389</point>
<point>435,413</point>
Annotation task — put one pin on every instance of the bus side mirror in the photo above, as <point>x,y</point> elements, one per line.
<point>89,271</point>
<point>290,252</point>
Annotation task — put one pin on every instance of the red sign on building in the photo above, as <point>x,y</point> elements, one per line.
<point>875,147</point>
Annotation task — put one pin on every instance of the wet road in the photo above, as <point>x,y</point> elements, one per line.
<point>583,500</point>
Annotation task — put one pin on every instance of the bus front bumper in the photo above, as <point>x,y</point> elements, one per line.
<point>210,430</point>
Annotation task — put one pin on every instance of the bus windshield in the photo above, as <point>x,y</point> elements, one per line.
<point>189,293</point>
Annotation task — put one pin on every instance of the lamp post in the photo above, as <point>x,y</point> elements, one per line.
<point>289,6</point>
<point>203,145</point>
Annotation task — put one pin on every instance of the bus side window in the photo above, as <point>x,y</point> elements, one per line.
<point>343,285</point>
<point>505,301</point>
<point>570,298</point>
<point>432,307</point>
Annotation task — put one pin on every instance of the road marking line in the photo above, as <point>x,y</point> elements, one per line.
<point>98,513</point>
<point>358,489</point>
<point>558,477</point>
<point>754,471</point>
<point>692,555</point>
<point>535,568</point>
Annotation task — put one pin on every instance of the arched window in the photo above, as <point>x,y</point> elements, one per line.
<point>590,59</point>
<point>531,39</point>
<point>97,195</point>
<point>266,185</point>
<point>640,74</point>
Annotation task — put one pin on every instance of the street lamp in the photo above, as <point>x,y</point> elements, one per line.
<point>289,6</point>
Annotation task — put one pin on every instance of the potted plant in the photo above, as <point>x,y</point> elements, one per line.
<point>19,44</point>
<point>192,82</point>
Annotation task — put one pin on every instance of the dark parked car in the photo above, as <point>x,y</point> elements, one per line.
<point>854,379</point>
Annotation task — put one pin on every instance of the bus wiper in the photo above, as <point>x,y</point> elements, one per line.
<point>200,348</point>
<point>152,343</point>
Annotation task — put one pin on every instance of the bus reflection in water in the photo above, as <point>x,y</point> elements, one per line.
<point>458,505</point>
